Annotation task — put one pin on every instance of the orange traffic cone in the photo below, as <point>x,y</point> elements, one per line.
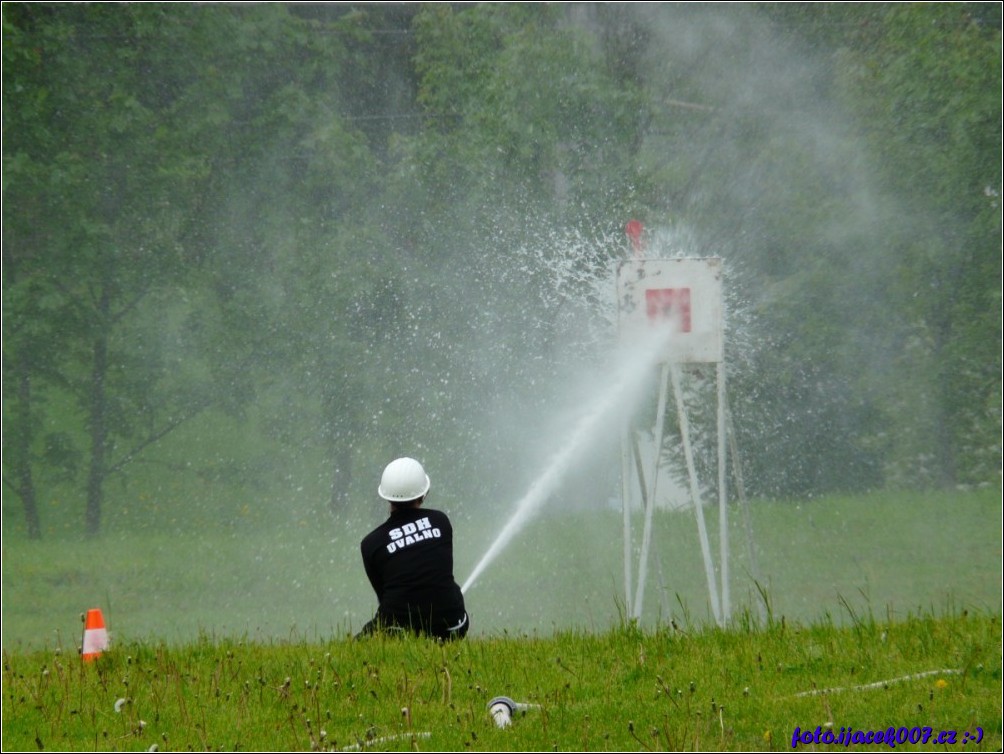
<point>95,636</point>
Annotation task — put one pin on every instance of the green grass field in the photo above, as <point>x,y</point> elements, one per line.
<point>869,613</point>
<point>742,689</point>
<point>839,559</point>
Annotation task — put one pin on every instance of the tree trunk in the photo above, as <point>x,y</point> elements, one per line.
<point>946,437</point>
<point>98,428</point>
<point>946,386</point>
<point>25,481</point>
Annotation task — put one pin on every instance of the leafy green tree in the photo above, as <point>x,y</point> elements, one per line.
<point>96,195</point>
<point>840,158</point>
<point>304,282</point>
<point>745,156</point>
<point>925,85</point>
<point>200,172</point>
<point>349,228</point>
<point>527,142</point>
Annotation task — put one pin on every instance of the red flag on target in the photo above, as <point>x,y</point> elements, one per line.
<point>634,230</point>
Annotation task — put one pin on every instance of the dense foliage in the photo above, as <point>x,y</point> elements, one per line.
<point>271,246</point>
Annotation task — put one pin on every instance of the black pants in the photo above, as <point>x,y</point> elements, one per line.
<point>446,632</point>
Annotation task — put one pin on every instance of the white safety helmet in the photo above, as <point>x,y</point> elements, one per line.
<point>403,480</point>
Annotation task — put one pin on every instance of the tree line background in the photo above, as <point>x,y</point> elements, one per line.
<point>253,252</point>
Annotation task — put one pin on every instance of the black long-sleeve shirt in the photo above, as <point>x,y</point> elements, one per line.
<point>409,562</point>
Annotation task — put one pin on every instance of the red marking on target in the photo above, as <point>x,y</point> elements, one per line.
<point>634,230</point>
<point>663,303</point>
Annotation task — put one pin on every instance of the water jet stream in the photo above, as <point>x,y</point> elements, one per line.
<point>617,397</point>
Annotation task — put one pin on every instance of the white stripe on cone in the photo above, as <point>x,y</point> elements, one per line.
<point>95,640</point>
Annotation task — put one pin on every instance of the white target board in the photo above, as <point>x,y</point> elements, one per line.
<point>685,294</point>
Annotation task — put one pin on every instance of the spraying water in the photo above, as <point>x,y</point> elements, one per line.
<point>616,397</point>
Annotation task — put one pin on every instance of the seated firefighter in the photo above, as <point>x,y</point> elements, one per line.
<point>409,561</point>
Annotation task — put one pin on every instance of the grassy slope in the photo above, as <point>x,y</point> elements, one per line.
<point>741,689</point>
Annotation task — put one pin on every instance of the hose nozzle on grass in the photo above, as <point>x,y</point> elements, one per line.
<point>502,707</point>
